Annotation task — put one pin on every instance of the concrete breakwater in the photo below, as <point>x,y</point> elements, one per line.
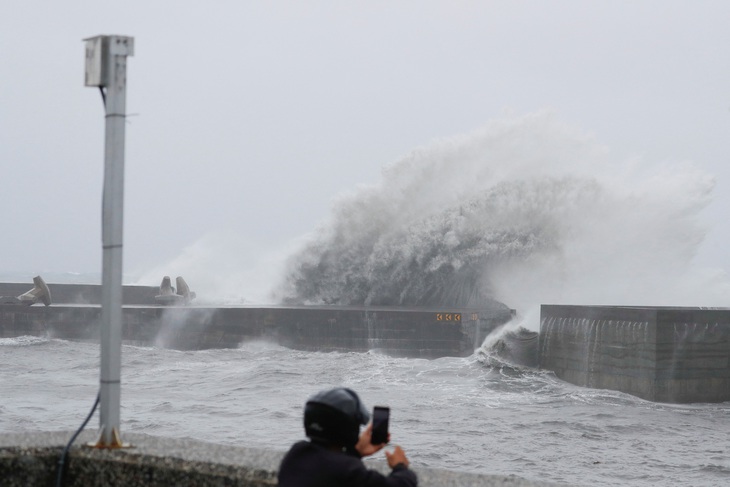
<point>661,354</point>
<point>402,332</point>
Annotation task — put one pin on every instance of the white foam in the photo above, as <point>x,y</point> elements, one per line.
<point>527,208</point>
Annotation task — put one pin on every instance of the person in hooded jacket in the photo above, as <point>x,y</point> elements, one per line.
<point>332,456</point>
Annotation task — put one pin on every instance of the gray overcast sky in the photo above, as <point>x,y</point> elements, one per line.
<point>248,118</point>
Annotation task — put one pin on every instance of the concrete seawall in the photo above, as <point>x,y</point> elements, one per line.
<point>30,460</point>
<point>397,332</point>
<point>400,332</point>
<point>661,354</point>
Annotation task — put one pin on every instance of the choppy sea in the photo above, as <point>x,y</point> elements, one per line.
<point>468,414</point>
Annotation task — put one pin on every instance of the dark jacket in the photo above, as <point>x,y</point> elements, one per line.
<point>312,465</point>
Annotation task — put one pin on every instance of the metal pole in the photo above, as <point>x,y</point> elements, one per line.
<point>113,76</point>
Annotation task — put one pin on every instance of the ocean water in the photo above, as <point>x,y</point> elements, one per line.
<point>470,414</point>
<point>526,210</point>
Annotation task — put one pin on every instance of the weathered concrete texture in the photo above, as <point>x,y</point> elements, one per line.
<point>28,460</point>
<point>395,331</point>
<point>660,354</point>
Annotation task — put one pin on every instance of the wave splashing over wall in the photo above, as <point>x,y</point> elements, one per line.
<point>525,211</point>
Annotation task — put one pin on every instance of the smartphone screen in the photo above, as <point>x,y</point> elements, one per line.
<point>381,417</point>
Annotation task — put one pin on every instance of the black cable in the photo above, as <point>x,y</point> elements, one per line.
<point>62,461</point>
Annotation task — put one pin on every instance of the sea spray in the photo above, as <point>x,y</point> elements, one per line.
<point>526,210</point>
<point>226,267</point>
<point>510,345</point>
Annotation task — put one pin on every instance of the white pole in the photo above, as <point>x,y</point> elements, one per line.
<point>113,76</point>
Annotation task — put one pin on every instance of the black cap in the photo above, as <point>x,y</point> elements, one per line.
<point>334,416</point>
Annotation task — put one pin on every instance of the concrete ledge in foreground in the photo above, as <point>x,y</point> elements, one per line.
<point>31,459</point>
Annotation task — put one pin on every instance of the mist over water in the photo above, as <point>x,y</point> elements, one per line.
<point>526,211</point>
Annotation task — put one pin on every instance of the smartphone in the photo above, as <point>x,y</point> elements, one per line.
<point>381,418</point>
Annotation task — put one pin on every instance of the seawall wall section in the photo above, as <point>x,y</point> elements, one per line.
<point>662,354</point>
<point>403,332</point>
<point>397,332</point>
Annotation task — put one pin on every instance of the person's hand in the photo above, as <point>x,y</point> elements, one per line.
<point>364,447</point>
<point>398,456</point>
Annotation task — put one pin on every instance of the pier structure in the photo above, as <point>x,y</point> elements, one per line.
<point>396,331</point>
<point>662,354</point>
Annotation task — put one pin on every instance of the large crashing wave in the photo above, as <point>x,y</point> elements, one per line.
<point>526,210</point>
